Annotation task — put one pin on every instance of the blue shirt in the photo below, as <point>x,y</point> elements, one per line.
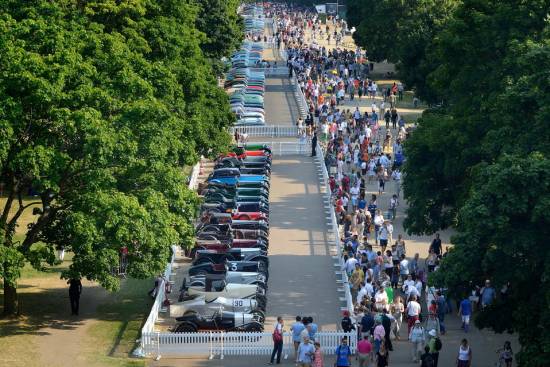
<point>465,307</point>
<point>362,204</point>
<point>342,353</point>
<point>313,331</point>
<point>297,328</point>
<point>487,296</point>
<point>303,352</point>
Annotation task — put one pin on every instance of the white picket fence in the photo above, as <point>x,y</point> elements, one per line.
<point>270,131</point>
<point>221,344</point>
<point>148,328</point>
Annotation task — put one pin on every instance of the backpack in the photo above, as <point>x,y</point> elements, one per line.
<point>438,345</point>
<point>347,326</point>
<point>277,335</point>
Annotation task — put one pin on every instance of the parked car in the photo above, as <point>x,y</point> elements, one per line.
<point>196,304</point>
<point>219,321</point>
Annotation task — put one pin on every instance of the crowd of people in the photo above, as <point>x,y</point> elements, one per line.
<point>361,148</point>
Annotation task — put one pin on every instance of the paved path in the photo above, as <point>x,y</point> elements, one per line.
<point>301,278</point>
<point>280,104</point>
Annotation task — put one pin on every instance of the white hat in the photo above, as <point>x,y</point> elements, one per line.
<point>433,333</point>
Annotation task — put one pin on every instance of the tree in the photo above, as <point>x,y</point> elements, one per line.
<point>476,54</point>
<point>101,104</point>
<point>223,27</point>
<point>502,234</point>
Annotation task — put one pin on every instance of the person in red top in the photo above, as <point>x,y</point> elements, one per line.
<point>364,352</point>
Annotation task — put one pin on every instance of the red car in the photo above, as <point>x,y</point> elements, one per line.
<point>235,215</point>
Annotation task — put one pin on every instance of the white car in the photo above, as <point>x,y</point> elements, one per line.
<point>197,304</point>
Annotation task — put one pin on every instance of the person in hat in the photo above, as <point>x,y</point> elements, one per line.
<point>417,339</point>
<point>347,324</point>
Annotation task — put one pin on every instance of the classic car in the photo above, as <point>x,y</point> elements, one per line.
<point>196,304</point>
<point>219,321</point>
<point>228,290</point>
<point>244,266</point>
<point>237,277</point>
<point>220,256</point>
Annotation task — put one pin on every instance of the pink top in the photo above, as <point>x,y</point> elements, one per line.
<point>379,332</point>
<point>318,361</point>
<point>364,346</point>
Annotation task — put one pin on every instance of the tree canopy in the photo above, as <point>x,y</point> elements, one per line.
<point>479,162</point>
<point>101,105</point>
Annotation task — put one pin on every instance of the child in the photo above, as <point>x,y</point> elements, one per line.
<point>318,356</point>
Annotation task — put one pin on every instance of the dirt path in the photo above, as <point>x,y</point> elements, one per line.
<point>65,337</point>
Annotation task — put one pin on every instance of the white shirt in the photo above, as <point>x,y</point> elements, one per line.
<point>409,283</point>
<point>396,175</point>
<point>378,220</point>
<point>350,264</point>
<point>368,132</point>
<point>413,308</point>
<point>404,265</point>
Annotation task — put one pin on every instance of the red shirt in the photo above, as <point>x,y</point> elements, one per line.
<point>364,346</point>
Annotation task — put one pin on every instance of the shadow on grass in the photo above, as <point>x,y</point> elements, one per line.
<point>119,315</point>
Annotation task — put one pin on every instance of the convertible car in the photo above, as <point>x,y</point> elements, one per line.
<point>219,321</point>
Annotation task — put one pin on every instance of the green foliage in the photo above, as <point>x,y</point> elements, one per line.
<point>503,228</point>
<point>101,104</point>
<point>481,162</point>
<point>223,27</point>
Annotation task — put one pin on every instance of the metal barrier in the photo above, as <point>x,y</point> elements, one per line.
<point>336,231</point>
<point>300,98</point>
<point>220,344</point>
<point>279,148</point>
<point>272,131</point>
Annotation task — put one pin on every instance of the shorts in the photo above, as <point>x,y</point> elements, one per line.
<point>363,357</point>
<point>383,243</point>
<point>466,319</point>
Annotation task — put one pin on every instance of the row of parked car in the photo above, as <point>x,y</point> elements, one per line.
<point>253,16</point>
<point>226,286</point>
<point>245,83</point>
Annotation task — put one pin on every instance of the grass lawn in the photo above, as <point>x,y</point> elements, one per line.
<point>120,320</point>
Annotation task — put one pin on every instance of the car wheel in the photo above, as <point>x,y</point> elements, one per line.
<point>185,327</point>
<point>258,316</point>
<point>254,327</point>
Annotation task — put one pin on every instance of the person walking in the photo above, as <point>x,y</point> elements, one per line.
<point>413,312</point>
<point>417,339</point>
<point>426,359</point>
<point>75,289</point>
<point>364,352</point>
<point>318,356</point>
<point>296,330</point>
<point>306,351</point>
<point>464,357</point>
<point>277,340</point>
<point>379,334</point>
<point>343,354</point>
<point>441,310</point>
<point>397,309</point>
<point>382,356</point>
<point>435,346</point>
<point>465,311</point>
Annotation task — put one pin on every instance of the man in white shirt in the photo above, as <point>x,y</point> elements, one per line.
<point>404,268</point>
<point>413,312</point>
<point>409,282</point>
<point>350,265</point>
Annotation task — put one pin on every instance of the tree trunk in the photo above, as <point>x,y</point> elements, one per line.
<point>10,299</point>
